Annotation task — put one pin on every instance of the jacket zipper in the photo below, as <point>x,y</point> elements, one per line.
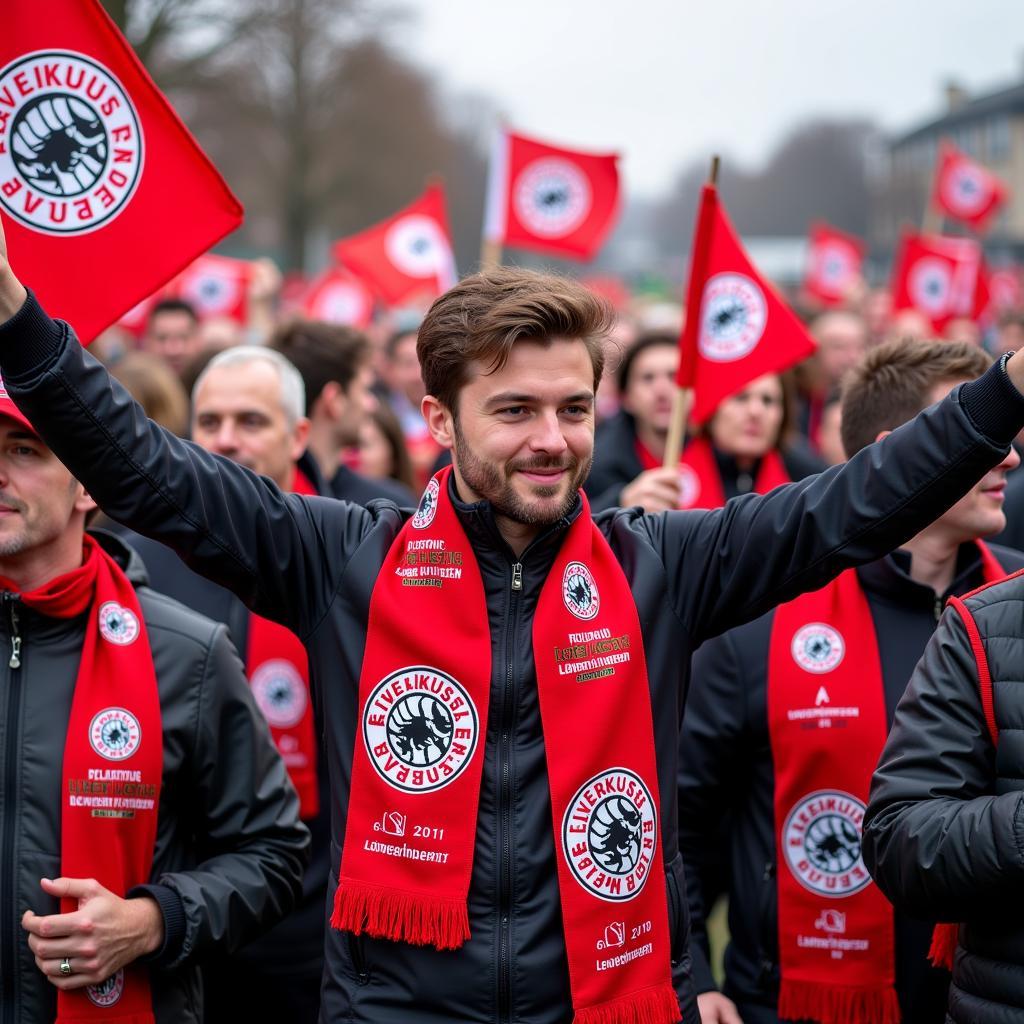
<point>9,935</point>
<point>505,806</point>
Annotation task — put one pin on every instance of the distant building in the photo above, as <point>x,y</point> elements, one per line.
<point>990,128</point>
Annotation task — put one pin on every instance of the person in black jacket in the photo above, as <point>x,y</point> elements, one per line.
<point>228,853</point>
<point>511,359</point>
<point>726,751</point>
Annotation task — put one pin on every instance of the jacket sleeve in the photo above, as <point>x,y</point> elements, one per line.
<point>226,522</point>
<point>712,743</point>
<point>936,840</point>
<point>732,564</point>
<point>253,848</point>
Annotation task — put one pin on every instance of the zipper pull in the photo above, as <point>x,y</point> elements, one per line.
<point>517,576</point>
<point>938,608</point>
<point>15,661</point>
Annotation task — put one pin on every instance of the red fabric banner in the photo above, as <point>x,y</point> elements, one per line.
<point>834,263</point>
<point>737,327</point>
<point>407,256</point>
<point>95,167</point>
<point>966,191</point>
<point>214,286</point>
<point>550,199</point>
<point>339,297</point>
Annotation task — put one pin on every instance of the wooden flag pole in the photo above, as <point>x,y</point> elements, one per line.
<point>933,220</point>
<point>490,254</point>
<point>683,399</point>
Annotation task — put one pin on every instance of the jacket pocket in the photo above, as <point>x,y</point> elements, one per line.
<point>678,911</point>
<point>357,957</point>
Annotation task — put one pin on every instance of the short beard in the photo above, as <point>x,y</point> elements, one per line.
<point>494,483</point>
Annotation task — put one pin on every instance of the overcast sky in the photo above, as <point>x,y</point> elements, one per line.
<point>665,81</point>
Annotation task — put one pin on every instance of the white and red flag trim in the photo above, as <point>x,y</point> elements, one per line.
<point>550,199</point>
<point>409,255</point>
<point>737,327</point>
<point>96,167</point>
<point>942,278</point>
<point>835,261</point>
<point>966,191</point>
<point>338,297</point>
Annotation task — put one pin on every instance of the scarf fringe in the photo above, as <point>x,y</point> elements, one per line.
<point>649,1006</point>
<point>400,916</point>
<point>829,1004</point>
<point>943,947</point>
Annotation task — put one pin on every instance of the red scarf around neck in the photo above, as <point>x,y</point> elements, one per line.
<point>417,766</point>
<point>277,667</point>
<point>827,724</point>
<point>113,762</point>
<point>700,480</point>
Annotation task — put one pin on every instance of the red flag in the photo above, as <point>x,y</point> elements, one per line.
<point>964,190</point>
<point>104,193</point>
<point>215,286</point>
<point>834,263</point>
<point>406,256</point>
<point>942,278</point>
<point>1005,290</point>
<point>737,328</point>
<point>339,298</point>
<point>550,199</point>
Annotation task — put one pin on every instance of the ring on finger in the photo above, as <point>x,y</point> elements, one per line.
<point>65,967</point>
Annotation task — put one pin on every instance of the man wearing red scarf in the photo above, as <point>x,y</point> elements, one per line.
<point>146,819</point>
<point>793,708</point>
<point>502,675</point>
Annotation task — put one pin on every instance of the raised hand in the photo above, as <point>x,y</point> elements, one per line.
<point>12,293</point>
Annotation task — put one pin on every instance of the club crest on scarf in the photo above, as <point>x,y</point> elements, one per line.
<point>420,727</point>
<point>115,734</point>
<point>118,625</point>
<point>818,648</point>
<point>280,692</point>
<point>609,834</point>
<point>552,197</point>
<point>822,842</point>
<point>427,508</point>
<point>689,487</point>
<point>73,151</point>
<point>734,314</point>
<point>108,992</point>
<point>579,591</point>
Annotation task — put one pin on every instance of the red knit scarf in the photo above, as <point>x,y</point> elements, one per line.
<point>700,480</point>
<point>423,697</point>
<point>827,724</point>
<point>278,669</point>
<point>113,761</point>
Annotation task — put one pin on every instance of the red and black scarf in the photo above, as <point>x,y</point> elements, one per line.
<point>699,477</point>
<point>827,724</point>
<point>418,761</point>
<point>113,761</point>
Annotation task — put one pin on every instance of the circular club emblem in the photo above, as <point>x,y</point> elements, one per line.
<point>552,197</point>
<point>689,487</point>
<point>342,302</point>
<point>579,591</point>
<point>416,246</point>
<point>118,625</point>
<point>733,317</point>
<point>108,992</point>
<point>421,729</point>
<point>280,692</point>
<point>71,147</point>
<point>427,508</point>
<point>966,190</point>
<point>115,734</point>
<point>609,834</point>
<point>930,283</point>
<point>835,266</point>
<point>818,648</point>
<point>821,839</point>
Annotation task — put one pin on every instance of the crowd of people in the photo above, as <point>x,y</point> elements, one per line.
<point>290,758</point>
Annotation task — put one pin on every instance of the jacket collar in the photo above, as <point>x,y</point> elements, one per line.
<point>890,578</point>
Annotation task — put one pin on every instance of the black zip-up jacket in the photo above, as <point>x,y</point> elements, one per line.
<point>229,848</point>
<point>311,563</point>
<point>726,770</point>
<point>944,829</point>
<point>617,464</point>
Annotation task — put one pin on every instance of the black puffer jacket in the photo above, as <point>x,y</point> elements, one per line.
<point>944,830</point>
<point>311,563</point>
<point>229,849</point>
<point>726,770</point>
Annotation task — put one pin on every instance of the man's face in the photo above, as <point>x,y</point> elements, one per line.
<point>38,496</point>
<point>842,342</point>
<point>523,437</point>
<point>359,402</point>
<point>173,336</point>
<point>237,412</point>
<point>402,371</point>
<point>651,387</point>
<point>746,425</point>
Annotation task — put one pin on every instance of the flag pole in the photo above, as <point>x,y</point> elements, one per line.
<point>932,222</point>
<point>683,398</point>
<point>490,254</point>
